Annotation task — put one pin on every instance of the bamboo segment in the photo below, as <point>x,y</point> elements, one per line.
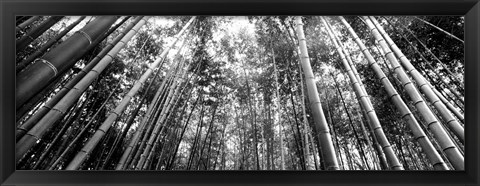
<point>36,76</point>
<point>451,121</point>
<point>91,144</point>
<point>447,145</point>
<point>407,115</point>
<point>377,128</point>
<point>37,132</point>
<point>323,132</point>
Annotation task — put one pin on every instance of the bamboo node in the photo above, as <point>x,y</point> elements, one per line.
<point>422,85</point>
<point>86,36</point>
<point>410,69</point>
<point>388,52</point>
<point>396,67</point>
<point>100,129</point>
<point>33,136</point>
<point>416,138</point>
<point>109,54</point>
<point>55,109</point>
<point>377,128</point>
<point>405,85</point>
<point>324,131</point>
<point>384,77</point>
<point>55,71</point>
<point>448,122</point>
<point>416,102</point>
<point>433,122</point>
<point>439,163</point>
<point>22,129</point>
<point>436,101</point>
<point>451,147</point>
<point>387,146</point>
<point>397,166</point>
<point>406,114</point>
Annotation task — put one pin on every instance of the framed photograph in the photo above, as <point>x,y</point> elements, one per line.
<point>239,92</point>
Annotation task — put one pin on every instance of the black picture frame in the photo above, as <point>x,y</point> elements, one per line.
<point>9,8</point>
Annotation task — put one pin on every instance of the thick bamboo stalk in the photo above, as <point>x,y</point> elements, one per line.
<point>450,120</point>
<point>28,124</point>
<point>432,123</point>
<point>91,144</point>
<point>323,132</point>
<point>23,42</point>
<point>36,76</point>
<point>37,132</point>
<point>47,45</point>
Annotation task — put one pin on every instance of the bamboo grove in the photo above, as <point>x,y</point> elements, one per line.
<point>240,93</point>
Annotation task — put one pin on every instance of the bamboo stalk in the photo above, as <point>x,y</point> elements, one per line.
<point>323,132</point>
